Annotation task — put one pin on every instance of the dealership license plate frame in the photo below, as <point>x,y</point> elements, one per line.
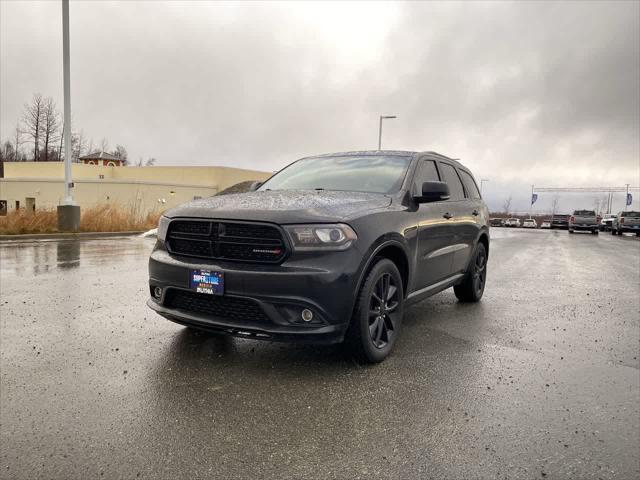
<point>208,282</point>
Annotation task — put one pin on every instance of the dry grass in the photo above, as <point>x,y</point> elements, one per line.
<point>102,218</point>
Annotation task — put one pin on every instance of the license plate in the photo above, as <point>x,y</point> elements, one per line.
<point>206,281</point>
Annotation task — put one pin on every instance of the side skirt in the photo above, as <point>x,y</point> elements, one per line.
<point>426,292</point>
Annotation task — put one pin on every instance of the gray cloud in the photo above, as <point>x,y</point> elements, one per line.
<point>545,93</point>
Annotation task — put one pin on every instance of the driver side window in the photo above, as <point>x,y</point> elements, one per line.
<point>426,172</point>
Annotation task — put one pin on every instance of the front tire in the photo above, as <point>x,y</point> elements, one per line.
<point>471,288</point>
<point>378,313</point>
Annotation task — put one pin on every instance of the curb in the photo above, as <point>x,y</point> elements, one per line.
<point>65,236</point>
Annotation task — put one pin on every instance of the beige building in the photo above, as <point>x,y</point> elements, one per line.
<point>40,185</point>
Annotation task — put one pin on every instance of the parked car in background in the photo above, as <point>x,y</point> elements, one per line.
<point>529,223</point>
<point>496,222</point>
<point>584,220</point>
<point>560,220</point>
<point>512,222</point>
<point>626,222</point>
<point>606,222</point>
<point>329,249</point>
<point>546,224</point>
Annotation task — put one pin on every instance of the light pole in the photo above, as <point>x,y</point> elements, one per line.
<point>482,180</point>
<point>382,117</point>
<point>68,212</point>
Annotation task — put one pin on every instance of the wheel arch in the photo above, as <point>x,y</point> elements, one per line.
<point>484,239</point>
<point>394,250</point>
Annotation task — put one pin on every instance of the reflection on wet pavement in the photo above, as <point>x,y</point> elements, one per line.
<point>538,380</point>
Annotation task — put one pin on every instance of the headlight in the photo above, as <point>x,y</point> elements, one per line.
<point>163,225</point>
<point>321,237</point>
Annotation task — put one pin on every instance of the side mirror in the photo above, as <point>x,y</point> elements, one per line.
<point>433,192</point>
<point>255,186</point>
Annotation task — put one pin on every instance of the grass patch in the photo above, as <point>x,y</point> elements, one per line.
<point>102,218</point>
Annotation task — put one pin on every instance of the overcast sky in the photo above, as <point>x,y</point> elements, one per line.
<point>523,93</point>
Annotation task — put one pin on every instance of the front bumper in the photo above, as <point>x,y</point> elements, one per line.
<point>629,228</point>
<point>324,284</point>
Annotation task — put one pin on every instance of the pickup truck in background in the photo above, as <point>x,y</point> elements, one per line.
<point>584,220</point>
<point>560,221</point>
<point>607,222</point>
<point>626,222</point>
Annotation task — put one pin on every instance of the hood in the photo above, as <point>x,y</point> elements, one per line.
<point>284,206</point>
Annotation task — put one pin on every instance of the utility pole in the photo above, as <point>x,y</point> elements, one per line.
<point>382,117</point>
<point>69,211</point>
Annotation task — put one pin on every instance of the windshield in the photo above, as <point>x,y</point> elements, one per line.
<point>585,212</point>
<point>377,174</point>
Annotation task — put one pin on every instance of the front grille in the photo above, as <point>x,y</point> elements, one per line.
<point>231,308</point>
<point>247,242</point>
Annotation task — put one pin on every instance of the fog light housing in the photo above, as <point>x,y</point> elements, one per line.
<point>157,292</point>
<point>307,315</point>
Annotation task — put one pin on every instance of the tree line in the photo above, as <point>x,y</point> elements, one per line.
<point>38,136</point>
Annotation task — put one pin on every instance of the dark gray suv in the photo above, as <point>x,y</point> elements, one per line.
<point>331,248</point>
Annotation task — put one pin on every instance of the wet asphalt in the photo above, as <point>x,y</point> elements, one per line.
<point>539,380</point>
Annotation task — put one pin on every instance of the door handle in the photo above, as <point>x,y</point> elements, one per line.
<point>447,216</point>
<point>475,213</point>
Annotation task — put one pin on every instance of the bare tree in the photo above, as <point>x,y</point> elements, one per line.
<point>104,145</point>
<point>7,153</point>
<point>50,125</point>
<point>18,141</point>
<point>150,162</point>
<point>121,153</point>
<point>78,144</point>
<point>506,206</point>
<point>33,122</point>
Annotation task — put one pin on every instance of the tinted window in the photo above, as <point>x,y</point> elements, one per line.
<point>450,176</point>
<point>426,172</point>
<point>584,212</point>
<point>469,184</point>
<point>631,214</point>
<point>373,173</point>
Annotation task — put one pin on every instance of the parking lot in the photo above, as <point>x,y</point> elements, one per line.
<point>539,380</point>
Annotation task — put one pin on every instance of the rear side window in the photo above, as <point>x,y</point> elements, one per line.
<point>450,176</point>
<point>469,185</point>
<point>426,172</point>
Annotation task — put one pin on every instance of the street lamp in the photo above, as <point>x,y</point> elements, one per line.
<point>482,183</point>
<point>69,211</point>
<point>382,117</point>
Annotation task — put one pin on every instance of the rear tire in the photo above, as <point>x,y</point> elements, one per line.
<point>570,231</point>
<point>377,316</point>
<point>613,232</point>
<point>471,288</point>
<point>619,232</point>
<point>595,232</point>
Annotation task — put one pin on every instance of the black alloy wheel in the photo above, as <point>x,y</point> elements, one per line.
<point>383,306</point>
<point>480,271</point>
<point>377,316</point>
<point>471,288</point>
